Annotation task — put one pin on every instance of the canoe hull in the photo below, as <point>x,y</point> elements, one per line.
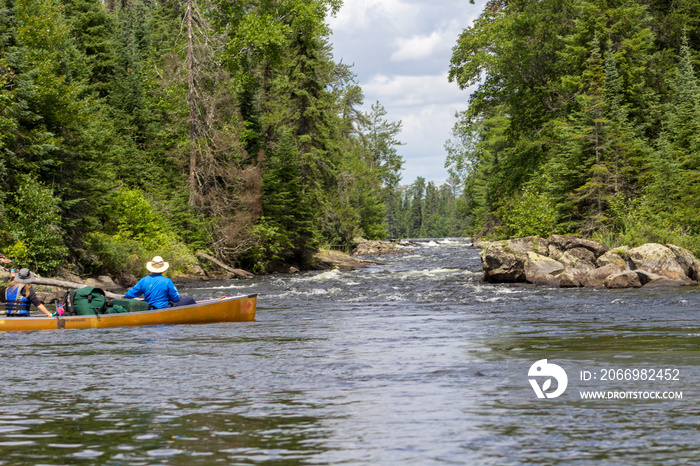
<point>236,309</point>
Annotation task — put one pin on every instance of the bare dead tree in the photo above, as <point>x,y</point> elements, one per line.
<point>221,186</point>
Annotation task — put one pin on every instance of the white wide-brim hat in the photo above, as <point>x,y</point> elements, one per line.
<point>157,265</point>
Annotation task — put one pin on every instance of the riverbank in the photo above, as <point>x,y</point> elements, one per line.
<point>325,259</point>
<point>571,262</point>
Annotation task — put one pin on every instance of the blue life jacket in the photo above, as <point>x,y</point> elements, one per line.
<point>15,301</point>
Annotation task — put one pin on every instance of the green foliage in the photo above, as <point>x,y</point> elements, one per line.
<point>135,232</point>
<point>113,254</point>
<point>638,221</point>
<point>531,213</point>
<point>428,211</point>
<point>270,246</point>
<point>34,221</point>
<point>248,143</point>
<point>594,104</point>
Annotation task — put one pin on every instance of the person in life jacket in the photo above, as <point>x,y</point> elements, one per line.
<point>158,291</point>
<point>19,294</point>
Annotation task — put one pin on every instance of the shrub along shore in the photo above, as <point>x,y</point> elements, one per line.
<point>325,259</point>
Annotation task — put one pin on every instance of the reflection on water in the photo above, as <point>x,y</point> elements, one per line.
<point>413,362</point>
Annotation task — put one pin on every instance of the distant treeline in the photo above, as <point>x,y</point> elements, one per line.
<point>585,119</point>
<point>130,128</point>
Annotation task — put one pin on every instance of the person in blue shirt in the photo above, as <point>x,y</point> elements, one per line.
<point>158,291</point>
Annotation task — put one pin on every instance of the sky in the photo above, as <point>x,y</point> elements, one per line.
<point>400,51</point>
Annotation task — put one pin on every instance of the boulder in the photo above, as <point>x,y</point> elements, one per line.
<point>570,278</point>
<point>596,278</point>
<point>538,264</point>
<point>626,279</point>
<point>645,276</point>
<point>366,247</point>
<point>664,282</point>
<point>616,257</point>
<point>565,243</point>
<point>68,276</point>
<point>569,260</point>
<point>539,268</point>
<point>502,264</point>
<point>658,259</point>
<point>529,243</point>
<point>554,251</point>
<point>687,261</point>
<point>583,254</point>
<point>107,284</point>
<point>330,259</point>
<point>126,280</point>
<point>92,282</point>
<point>566,261</point>
<point>547,280</point>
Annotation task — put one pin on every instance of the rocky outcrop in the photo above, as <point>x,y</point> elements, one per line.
<point>568,262</point>
<point>330,259</point>
<point>368,247</point>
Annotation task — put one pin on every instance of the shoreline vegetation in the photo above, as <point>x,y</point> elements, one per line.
<point>222,135</point>
<point>583,119</point>
<point>54,288</point>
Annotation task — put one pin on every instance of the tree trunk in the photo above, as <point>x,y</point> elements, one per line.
<point>237,272</point>
<point>192,102</point>
<point>71,285</point>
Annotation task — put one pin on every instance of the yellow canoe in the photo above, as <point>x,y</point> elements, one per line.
<point>235,309</point>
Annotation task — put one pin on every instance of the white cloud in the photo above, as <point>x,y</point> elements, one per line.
<point>426,107</point>
<point>417,47</point>
<point>401,52</point>
<point>359,14</point>
<point>411,91</point>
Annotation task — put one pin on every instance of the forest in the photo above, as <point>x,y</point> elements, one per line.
<point>130,128</point>
<point>585,119</point>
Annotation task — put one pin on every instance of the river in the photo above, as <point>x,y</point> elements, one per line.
<point>412,362</point>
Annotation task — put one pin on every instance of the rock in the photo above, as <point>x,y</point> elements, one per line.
<point>554,251</point>
<point>68,276</point>
<point>547,280</point>
<point>107,284</point>
<point>570,278</point>
<point>664,282</point>
<point>566,243</point>
<point>530,243</point>
<point>197,271</point>
<point>537,265</point>
<point>645,276</point>
<point>478,243</point>
<point>596,278</point>
<point>583,254</point>
<point>293,270</point>
<point>126,280</point>
<point>574,262</point>
<point>616,257</point>
<point>92,282</point>
<point>626,279</point>
<point>365,247</point>
<point>329,259</point>
<point>686,260</point>
<point>502,263</point>
<point>658,259</point>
